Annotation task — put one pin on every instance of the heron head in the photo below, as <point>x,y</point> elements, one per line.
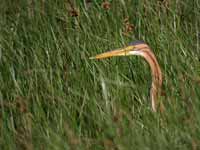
<point>134,48</point>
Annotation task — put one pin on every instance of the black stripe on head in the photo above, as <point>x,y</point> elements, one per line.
<point>136,43</point>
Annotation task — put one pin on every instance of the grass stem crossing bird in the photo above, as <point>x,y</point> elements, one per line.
<point>140,48</point>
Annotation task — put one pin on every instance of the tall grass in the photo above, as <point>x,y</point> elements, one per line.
<point>53,97</point>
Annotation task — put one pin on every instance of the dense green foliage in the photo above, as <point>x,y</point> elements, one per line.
<point>52,96</point>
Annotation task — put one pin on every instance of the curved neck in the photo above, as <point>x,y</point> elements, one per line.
<point>156,75</point>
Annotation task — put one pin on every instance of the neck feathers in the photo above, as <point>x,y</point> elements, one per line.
<point>144,51</point>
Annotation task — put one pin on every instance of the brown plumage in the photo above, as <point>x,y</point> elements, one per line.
<point>140,48</point>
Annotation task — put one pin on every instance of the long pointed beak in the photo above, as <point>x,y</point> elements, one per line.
<point>119,52</point>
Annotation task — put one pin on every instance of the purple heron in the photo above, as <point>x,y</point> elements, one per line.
<point>140,48</point>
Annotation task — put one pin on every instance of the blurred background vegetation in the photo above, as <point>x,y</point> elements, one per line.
<point>53,97</point>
